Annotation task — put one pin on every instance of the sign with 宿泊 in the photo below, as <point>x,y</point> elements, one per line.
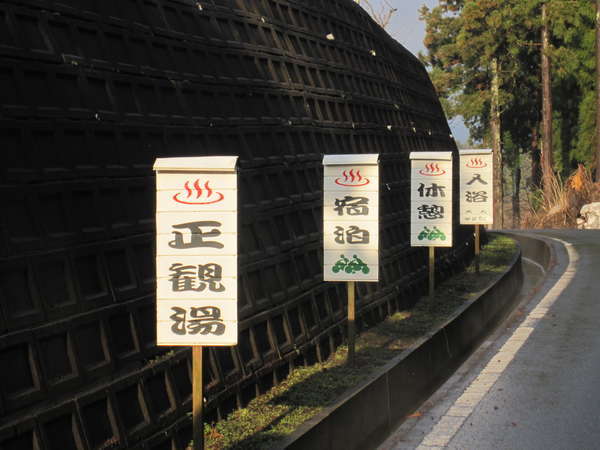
<point>476,187</point>
<point>351,217</point>
<point>431,199</point>
<point>196,251</point>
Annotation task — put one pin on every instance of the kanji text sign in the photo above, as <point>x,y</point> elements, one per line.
<point>196,251</point>
<point>351,217</point>
<point>476,187</point>
<point>431,199</point>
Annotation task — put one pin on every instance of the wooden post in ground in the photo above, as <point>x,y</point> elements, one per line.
<point>351,322</point>
<point>197,398</point>
<point>477,248</point>
<point>431,271</point>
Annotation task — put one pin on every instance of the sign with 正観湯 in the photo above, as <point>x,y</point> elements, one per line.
<point>351,217</point>
<point>476,187</point>
<point>431,199</point>
<point>196,251</point>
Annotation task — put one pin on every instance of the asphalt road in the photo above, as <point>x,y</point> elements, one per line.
<point>535,383</point>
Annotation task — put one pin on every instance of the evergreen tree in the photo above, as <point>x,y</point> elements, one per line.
<point>467,39</point>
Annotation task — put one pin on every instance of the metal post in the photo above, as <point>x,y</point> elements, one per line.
<point>431,271</point>
<point>351,323</point>
<point>197,398</point>
<point>477,249</point>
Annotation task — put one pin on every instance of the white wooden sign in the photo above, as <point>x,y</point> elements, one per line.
<point>476,187</point>
<point>196,251</point>
<point>351,217</point>
<point>431,199</point>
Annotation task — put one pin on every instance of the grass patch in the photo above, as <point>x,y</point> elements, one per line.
<point>307,390</point>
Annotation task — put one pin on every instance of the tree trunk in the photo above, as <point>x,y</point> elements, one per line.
<point>495,128</point>
<point>547,173</point>
<point>536,168</point>
<point>597,90</point>
<point>516,200</point>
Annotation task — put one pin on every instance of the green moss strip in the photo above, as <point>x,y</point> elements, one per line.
<point>278,413</point>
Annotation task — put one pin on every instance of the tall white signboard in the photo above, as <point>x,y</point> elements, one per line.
<point>476,187</point>
<point>351,217</point>
<point>431,199</point>
<point>196,251</point>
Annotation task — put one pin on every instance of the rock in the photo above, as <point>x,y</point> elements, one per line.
<point>591,216</point>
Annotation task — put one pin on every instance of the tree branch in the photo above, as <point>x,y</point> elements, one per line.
<point>383,16</point>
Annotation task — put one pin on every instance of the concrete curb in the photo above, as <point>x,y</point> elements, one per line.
<point>369,412</point>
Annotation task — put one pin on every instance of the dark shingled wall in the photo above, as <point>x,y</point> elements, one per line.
<point>91,92</point>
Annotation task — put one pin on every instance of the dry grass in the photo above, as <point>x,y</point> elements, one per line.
<point>560,208</point>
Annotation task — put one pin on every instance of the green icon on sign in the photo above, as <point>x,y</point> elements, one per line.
<point>350,266</point>
<point>431,235</point>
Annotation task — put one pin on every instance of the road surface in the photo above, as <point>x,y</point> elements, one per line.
<point>535,383</point>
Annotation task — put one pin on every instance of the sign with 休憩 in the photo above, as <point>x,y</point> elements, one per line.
<point>196,251</point>
<point>351,217</point>
<point>476,187</point>
<point>431,199</point>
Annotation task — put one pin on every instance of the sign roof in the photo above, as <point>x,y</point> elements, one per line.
<point>353,159</point>
<point>195,163</point>
<point>444,156</point>
<point>477,151</point>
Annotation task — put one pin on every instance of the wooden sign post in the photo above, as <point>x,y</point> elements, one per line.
<point>197,399</point>
<point>196,260</point>
<point>431,204</point>
<point>476,192</point>
<point>351,226</point>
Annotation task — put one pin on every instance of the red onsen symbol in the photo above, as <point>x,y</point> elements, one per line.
<point>352,179</point>
<point>432,170</point>
<point>204,196</point>
<point>476,163</point>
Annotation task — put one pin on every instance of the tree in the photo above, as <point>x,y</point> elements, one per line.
<point>597,91</point>
<point>383,15</point>
<point>485,59</point>
<point>478,53</point>
<point>496,134</point>
<point>547,148</point>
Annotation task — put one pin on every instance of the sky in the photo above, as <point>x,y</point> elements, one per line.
<point>407,29</point>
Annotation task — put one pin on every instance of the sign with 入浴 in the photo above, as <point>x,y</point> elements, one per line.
<point>196,251</point>
<point>476,187</point>
<point>431,199</point>
<point>351,217</point>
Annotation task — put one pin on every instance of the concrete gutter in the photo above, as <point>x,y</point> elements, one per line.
<point>369,412</point>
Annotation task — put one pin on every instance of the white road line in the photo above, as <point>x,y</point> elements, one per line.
<point>451,422</point>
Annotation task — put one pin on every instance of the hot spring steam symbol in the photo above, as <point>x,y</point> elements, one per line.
<point>198,196</point>
<point>432,170</point>
<point>352,179</point>
<point>476,163</point>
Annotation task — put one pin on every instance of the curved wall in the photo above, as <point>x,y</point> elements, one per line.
<point>91,92</point>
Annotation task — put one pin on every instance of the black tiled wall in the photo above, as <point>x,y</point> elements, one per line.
<point>91,92</point>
